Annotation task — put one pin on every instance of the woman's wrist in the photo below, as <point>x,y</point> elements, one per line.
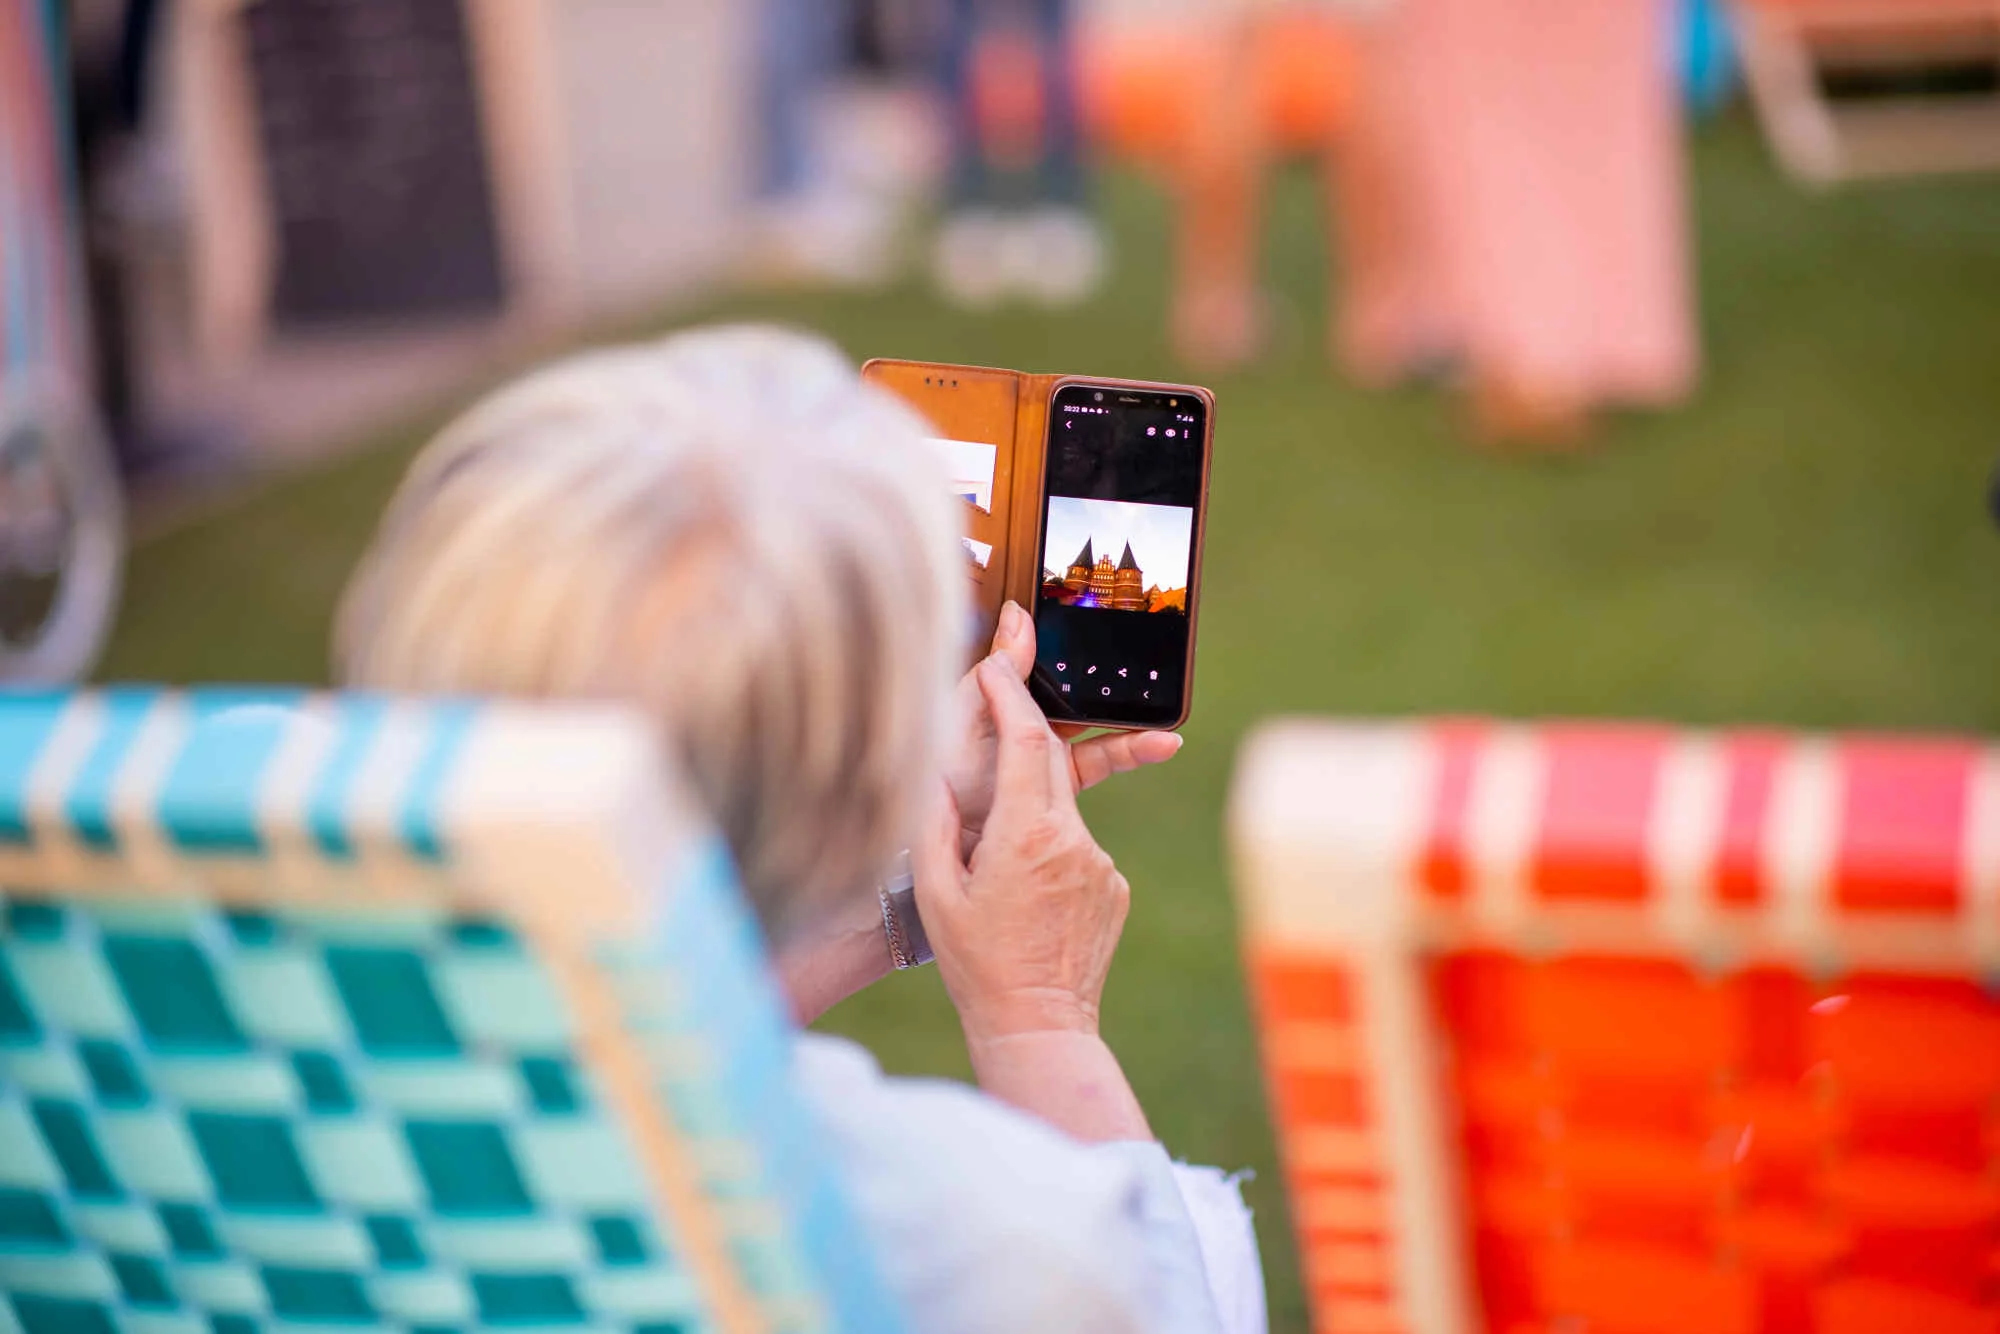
<point>1025,1012</point>
<point>1066,1077</point>
<point>835,963</point>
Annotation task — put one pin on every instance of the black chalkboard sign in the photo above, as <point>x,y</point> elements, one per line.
<point>380,189</point>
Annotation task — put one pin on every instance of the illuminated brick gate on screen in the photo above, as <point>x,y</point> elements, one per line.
<point>1094,581</point>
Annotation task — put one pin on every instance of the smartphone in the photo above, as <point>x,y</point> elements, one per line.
<point>1124,500</point>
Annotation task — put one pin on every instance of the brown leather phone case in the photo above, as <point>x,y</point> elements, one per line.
<point>1010,411</point>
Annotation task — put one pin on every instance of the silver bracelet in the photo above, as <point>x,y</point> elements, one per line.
<point>909,947</point>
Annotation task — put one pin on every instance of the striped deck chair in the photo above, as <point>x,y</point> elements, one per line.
<point>338,1010</point>
<point>1630,1030</point>
<point>1796,53</point>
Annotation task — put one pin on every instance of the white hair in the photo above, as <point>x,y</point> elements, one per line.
<point>726,527</point>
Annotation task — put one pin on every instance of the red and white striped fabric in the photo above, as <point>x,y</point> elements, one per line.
<point>1661,1032</point>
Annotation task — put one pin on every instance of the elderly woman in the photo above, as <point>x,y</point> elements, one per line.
<point>731,531</point>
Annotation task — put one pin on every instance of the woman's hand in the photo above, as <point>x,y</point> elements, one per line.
<point>848,952</point>
<point>1089,762</point>
<point>1025,927</point>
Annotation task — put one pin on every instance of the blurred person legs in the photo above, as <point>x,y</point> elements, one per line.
<point>1016,211</point>
<point>127,191</point>
<point>1271,82</point>
<point>1060,258</point>
<point>799,52</point>
<point>1224,155</point>
<point>1576,277</point>
<point>812,226</point>
<point>1395,314</point>
<point>1516,196</point>
<point>966,258</point>
<point>103,112</point>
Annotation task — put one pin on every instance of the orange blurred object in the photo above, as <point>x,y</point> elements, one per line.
<point>1144,86</point>
<point>1628,1028</point>
<point>1637,1291</point>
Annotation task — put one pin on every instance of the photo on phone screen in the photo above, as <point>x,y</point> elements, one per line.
<point>1114,612</point>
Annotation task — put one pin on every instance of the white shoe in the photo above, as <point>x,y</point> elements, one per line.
<point>838,240</point>
<point>1056,256</point>
<point>968,260</point>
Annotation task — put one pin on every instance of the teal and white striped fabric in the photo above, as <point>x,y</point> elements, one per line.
<point>288,1033</point>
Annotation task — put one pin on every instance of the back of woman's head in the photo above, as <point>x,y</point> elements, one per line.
<point>727,528</point>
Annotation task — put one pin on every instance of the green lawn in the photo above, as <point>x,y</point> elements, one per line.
<point>1805,544</point>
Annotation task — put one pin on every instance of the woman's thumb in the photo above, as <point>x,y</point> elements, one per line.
<point>1015,637</point>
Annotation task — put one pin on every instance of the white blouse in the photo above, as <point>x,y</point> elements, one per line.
<point>986,1219</point>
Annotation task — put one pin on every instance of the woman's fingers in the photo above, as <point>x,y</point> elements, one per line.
<point>1097,759</point>
<point>935,862</point>
<point>1015,638</point>
<point>1027,778</point>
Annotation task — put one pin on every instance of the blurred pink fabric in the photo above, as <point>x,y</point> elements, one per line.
<point>1517,196</point>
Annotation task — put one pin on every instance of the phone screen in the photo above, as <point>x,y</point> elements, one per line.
<point>1115,609</point>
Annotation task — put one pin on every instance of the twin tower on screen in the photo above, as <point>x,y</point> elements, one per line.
<point>1095,581</point>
